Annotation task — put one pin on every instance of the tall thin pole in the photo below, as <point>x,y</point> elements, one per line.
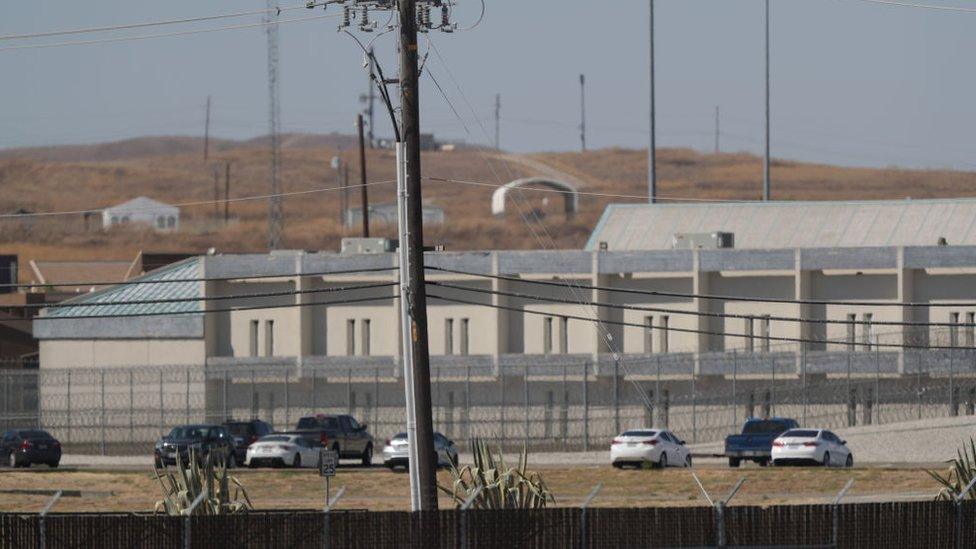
<point>226,192</point>
<point>362,175</point>
<point>216,198</point>
<point>275,220</point>
<point>652,141</point>
<point>766,190</point>
<point>206,133</point>
<point>717,130</point>
<point>370,100</point>
<point>498,120</point>
<point>582,113</point>
<point>410,123</point>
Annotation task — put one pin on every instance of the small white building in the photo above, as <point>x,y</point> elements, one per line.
<point>161,217</point>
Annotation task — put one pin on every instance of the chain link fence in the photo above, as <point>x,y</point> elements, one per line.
<point>547,402</point>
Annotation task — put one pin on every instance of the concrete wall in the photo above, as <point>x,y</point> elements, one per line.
<point>121,353</point>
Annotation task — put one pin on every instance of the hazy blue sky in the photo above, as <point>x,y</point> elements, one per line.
<point>853,82</point>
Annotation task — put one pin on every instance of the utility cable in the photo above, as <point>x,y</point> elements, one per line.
<point>936,7</point>
<point>655,293</point>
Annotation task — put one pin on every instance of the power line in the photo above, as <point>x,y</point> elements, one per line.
<point>190,204</point>
<point>151,23</point>
<point>167,34</point>
<point>202,279</point>
<point>917,6</point>
<point>705,313</point>
<point>705,332</point>
<point>655,293</point>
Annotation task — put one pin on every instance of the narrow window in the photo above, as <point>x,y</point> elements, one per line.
<point>648,335</point>
<point>547,335</point>
<point>171,222</point>
<point>563,335</point>
<point>448,336</point>
<point>351,337</point>
<point>160,222</point>
<point>867,333</point>
<point>464,337</point>
<point>665,322</point>
<point>750,338</point>
<point>269,338</point>
<point>970,321</point>
<point>365,337</point>
<point>764,331</point>
<point>253,341</point>
<point>954,329</point>
<point>850,331</point>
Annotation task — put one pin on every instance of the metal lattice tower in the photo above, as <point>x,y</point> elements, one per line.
<point>275,215</point>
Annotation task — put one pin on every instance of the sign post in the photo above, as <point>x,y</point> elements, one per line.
<point>328,461</point>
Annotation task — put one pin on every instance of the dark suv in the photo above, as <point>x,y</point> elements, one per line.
<point>200,439</point>
<point>22,447</point>
<point>246,433</point>
<point>341,433</point>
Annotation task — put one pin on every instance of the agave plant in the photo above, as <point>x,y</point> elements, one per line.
<point>961,472</point>
<point>495,485</point>
<point>184,483</point>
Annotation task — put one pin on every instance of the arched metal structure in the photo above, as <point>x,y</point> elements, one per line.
<point>569,193</point>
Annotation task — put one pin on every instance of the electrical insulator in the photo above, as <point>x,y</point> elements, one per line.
<point>427,16</point>
<point>364,24</point>
<point>346,16</point>
<point>446,25</point>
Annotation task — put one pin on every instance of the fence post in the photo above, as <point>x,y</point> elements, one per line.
<point>189,513</point>
<point>348,391</point>
<point>41,531</point>
<point>835,512</point>
<point>584,543</point>
<point>564,410</point>
<point>102,383</point>
<point>877,380</point>
<point>162,421</point>
<point>287,398</point>
<point>803,380</point>
<point>68,405</point>
<point>467,400</point>
<point>315,395</point>
<point>132,410</point>
<point>224,399</point>
<point>735,368</point>
<point>616,394</point>
<point>694,405</point>
<point>720,507</point>
<point>772,386</point>
<point>188,395</point>
<point>525,400</point>
<point>501,380</point>
<point>953,409</point>
<point>958,504</point>
<point>463,522</point>
<point>326,526</point>
<point>586,407</point>
<point>657,389</point>
<point>376,399</point>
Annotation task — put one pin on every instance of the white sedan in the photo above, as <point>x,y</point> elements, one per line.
<point>659,448</point>
<point>811,447</point>
<point>279,450</point>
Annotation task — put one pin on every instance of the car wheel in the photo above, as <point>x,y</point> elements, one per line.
<point>776,463</point>
<point>762,462</point>
<point>826,459</point>
<point>662,463</point>
<point>296,461</point>
<point>54,464</point>
<point>734,462</point>
<point>850,461</point>
<point>617,465</point>
<point>368,456</point>
<point>688,461</point>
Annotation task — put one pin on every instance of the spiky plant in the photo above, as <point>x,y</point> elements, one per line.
<point>501,487</point>
<point>961,471</point>
<point>182,485</point>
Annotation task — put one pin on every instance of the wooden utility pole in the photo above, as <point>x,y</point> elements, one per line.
<point>410,123</point>
<point>206,133</point>
<point>362,175</point>
<point>216,199</point>
<point>226,193</point>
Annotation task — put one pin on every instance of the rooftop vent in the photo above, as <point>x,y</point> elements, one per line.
<point>702,241</point>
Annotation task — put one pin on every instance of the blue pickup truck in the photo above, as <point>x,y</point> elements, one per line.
<point>756,441</point>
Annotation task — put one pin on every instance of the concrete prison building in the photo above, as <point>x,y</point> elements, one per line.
<point>146,211</point>
<point>285,333</point>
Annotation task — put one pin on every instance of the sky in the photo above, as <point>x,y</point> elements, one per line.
<point>852,82</point>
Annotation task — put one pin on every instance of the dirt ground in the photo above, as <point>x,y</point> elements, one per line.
<point>379,489</point>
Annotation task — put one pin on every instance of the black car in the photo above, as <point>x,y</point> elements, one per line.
<point>24,447</point>
<point>201,440</point>
<point>246,433</point>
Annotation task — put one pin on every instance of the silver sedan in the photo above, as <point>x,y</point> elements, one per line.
<point>395,451</point>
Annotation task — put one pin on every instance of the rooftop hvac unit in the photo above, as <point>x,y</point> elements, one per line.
<point>359,245</point>
<point>702,241</point>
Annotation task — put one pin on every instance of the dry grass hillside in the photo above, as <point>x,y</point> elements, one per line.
<point>171,169</point>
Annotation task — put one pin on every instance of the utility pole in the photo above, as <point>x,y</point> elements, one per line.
<point>583,113</point>
<point>652,134</point>
<point>717,131</point>
<point>275,216</point>
<point>417,296</point>
<point>206,133</point>
<point>226,193</point>
<point>362,176</point>
<point>216,198</point>
<point>370,98</point>
<point>766,190</point>
<point>498,120</point>
<point>337,166</point>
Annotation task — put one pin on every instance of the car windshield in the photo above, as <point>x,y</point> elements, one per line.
<point>639,433</point>
<point>275,438</point>
<point>239,429</point>
<point>765,426</point>
<point>400,436</point>
<point>191,431</point>
<point>327,422</point>
<point>800,433</point>
<point>33,433</point>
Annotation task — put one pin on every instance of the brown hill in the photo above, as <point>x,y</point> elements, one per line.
<point>171,170</point>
